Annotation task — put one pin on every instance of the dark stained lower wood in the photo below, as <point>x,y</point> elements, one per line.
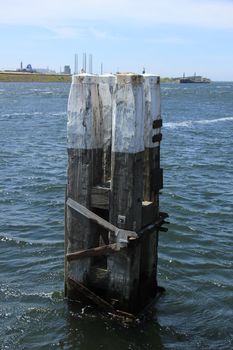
<point>81,233</point>
<point>151,183</point>
<point>98,279</point>
<point>126,190</point>
<point>86,294</point>
<point>148,267</point>
<point>124,277</point>
<point>100,197</point>
<point>126,213</point>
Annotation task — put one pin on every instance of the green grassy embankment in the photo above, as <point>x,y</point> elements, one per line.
<point>33,77</point>
<point>169,80</point>
<point>49,78</point>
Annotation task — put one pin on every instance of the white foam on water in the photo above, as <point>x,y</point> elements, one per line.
<point>15,114</point>
<point>210,121</point>
<point>58,114</point>
<point>189,123</point>
<point>174,125</point>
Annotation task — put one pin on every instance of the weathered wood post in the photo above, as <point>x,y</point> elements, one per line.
<point>127,185</point>
<point>84,154</point>
<point>112,217</point>
<point>153,136</point>
<point>152,184</point>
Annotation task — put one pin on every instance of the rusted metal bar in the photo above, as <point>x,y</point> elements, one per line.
<point>105,249</point>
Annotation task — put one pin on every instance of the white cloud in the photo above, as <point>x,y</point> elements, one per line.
<point>201,13</point>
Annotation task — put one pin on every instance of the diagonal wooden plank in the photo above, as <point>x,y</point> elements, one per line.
<point>87,293</point>
<point>90,215</point>
<point>98,220</point>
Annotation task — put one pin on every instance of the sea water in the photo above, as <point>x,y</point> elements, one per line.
<point>195,255</point>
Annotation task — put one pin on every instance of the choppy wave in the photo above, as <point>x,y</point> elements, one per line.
<point>31,114</point>
<point>191,123</point>
<point>11,240</point>
<point>20,114</point>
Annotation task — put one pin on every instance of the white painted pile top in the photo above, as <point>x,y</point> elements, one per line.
<point>119,109</point>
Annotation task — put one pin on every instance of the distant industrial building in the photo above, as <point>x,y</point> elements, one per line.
<point>67,70</point>
<point>45,70</point>
<point>28,68</point>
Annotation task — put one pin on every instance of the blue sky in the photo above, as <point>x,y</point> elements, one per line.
<point>167,37</point>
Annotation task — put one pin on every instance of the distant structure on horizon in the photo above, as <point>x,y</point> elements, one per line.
<point>197,79</point>
<point>86,65</point>
<point>28,68</point>
<point>67,70</point>
<point>45,70</point>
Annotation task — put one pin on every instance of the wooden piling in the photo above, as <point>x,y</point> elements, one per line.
<point>152,138</point>
<point>152,184</point>
<point>84,155</point>
<point>127,184</point>
<point>112,199</point>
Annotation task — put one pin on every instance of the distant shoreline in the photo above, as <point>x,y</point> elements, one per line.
<point>24,77</point>
<point>14,77</point>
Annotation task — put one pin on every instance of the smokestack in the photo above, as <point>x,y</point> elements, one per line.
<point>84,62</point>
<point>90,63</point>
<point>76,63</point>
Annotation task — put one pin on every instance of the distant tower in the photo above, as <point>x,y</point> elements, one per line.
<point>76,63</point>
<point>84,63</point>
<point>101,68</point>
<point>90,63</point>
<point>21,65</point>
